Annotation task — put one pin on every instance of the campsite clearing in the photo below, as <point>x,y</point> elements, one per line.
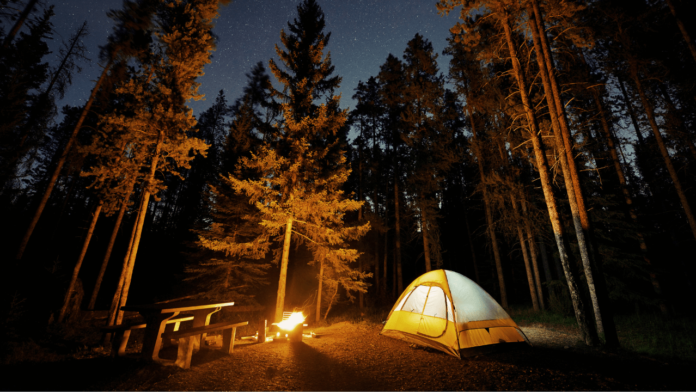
<point>350,356</point>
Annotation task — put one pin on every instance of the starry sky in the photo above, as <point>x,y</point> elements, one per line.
<point>363,34</point>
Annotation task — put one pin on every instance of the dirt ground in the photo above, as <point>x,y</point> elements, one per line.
<point>355,357</point>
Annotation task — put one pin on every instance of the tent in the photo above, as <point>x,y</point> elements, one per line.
<point>449,312</point>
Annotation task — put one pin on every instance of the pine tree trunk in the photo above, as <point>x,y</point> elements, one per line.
<point>360,294</point>
<point>533,253</point>
<point>280,300</point>
<point>317,316</point>
<point>682,28</point>
<point>576,198</point>
<point>109,248</point>
<point>59,166</point>
<point>525,257</point>
<point>377,280</point>
<point>139,223</point>
<point>545,261</point>
<point>426,240</point>
<point>331,301</point>
<point>663,150</point>
<point>611,145</point>
<point>116,300</point>
<point>78,265</point>
<point>587,334</point>
<point>18,24</point>
<point>397,238</point>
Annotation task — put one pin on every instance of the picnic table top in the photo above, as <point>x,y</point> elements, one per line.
<point>177,306</point>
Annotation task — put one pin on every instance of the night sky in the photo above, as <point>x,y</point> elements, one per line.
<point>364,32</point>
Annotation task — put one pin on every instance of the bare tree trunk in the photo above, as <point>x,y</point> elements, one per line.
<point>663,150</point>
<point>586,332</point>
<point>18,24</point>
<point>317,316</point>
<point>397,238</point>
<point>59,166</point>
<point>78,265</point>
<point>139,223</point>
<point>116,300</point>
<point>570,172</point>
<point>682,28</point>
<point>331,301</point>
<point>545,261</point>
<point>525,257</point>
<point>280,301</point>
<point>109,248</point>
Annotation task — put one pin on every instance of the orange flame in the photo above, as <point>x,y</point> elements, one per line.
<point>294,319</point>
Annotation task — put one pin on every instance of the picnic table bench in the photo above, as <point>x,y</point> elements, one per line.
<point>121,333</point>
<point>187,339</point>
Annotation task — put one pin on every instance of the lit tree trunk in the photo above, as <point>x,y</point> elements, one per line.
<point>116,300</point>
<point>663,150</point>
<point>78,265</point>
<point>139,223</point>
<point>426,242</point>
<point>682,28</point>
<point>397,238</point>
<point>525,257</point>
<point>109,248</point>
<point>59,165</point>
<point>317,316</point>
<point>576,198</point>
<point>331,301</point>
<point>280,301</point>
<point>18,24</point>
<point>360,294</point>
<point>587,334</point>
<point>609,137</point>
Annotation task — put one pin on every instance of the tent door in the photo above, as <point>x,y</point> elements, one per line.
<point>433,321</point>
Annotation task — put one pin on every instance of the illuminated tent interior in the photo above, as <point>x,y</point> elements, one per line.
<point>449,312</point>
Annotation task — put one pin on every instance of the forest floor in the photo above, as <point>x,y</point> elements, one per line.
<point>353,356</point>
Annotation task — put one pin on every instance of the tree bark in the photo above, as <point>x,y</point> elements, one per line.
<point>682,28</point>
<point>59,166</point>
<point>681,133</point>
<point>533,254</point>
<point>570,172</point>
<point>280,300</point>
<point>81,257</point>
<point>525,257</point>
<point>663,150</point>
<point>631,112</point>
<point>587,334</point>
<point>109,248</point>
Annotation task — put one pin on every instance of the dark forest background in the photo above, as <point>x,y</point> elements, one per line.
<point>448,163</point>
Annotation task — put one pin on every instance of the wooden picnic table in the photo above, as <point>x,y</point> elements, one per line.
<point>156,316</point>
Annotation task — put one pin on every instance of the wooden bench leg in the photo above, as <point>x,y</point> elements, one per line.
<point>183,357</point>
<point>228,336</point>
<point>119,341</point>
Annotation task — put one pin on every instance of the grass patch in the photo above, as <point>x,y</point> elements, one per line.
<point>647,334</point>
<point>657,336</point>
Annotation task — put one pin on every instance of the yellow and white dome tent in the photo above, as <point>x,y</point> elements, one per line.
<point>449,312</point>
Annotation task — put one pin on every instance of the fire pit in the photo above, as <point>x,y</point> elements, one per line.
<point>290,328</point>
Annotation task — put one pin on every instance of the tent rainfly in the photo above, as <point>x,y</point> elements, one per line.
<point>449,312</point>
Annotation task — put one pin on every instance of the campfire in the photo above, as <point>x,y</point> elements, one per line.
<point>290,328</point>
